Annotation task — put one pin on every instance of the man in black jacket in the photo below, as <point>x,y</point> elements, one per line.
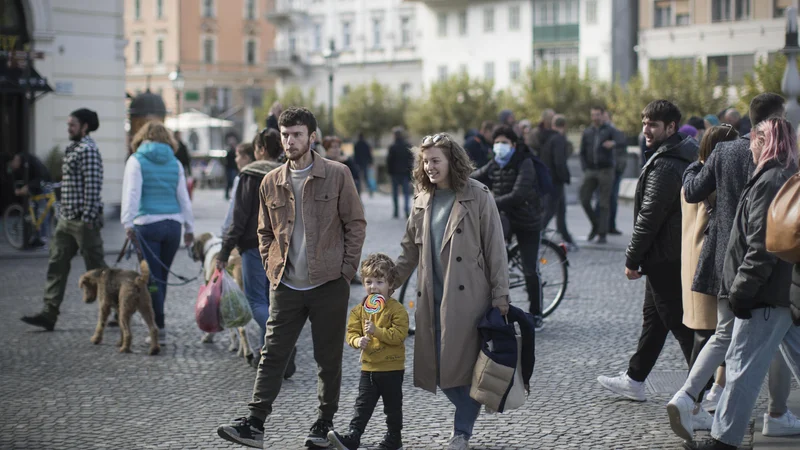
<point>597,161</point>
<point>512,178</point>
<point>554,155</point>
<point>362,153</point>
<point>29,173</point>
<point>478,146</point>
<point>399,163</point>
<point>655,247</point>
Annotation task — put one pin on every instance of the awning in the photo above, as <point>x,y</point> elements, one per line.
<point>20,81</point>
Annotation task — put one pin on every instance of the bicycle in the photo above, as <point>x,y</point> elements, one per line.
<point>554,276</point>
<point>22,225</point>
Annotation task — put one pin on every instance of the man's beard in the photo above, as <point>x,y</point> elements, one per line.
<point>76,137</point>
<point>296,155</point>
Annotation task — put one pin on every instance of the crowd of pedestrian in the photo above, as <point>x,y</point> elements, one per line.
<point>699,238</point>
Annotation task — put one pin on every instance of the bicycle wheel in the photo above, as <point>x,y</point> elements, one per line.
<point>553,275</point>
<point>14,226</point>
<point>409,288</point>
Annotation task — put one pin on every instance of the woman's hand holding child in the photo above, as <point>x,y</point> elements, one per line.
<point>363,342</point>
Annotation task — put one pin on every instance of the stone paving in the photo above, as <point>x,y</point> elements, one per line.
<point>59,391</point>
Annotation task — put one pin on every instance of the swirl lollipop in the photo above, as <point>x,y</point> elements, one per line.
<point>374,304</point>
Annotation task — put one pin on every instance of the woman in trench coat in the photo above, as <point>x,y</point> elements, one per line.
<point>455,237</point>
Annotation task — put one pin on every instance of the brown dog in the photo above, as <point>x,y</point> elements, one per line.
<point>205,249</point>
<point>126,292</point>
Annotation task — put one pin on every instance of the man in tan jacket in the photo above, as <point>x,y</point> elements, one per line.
<point>311,230</point>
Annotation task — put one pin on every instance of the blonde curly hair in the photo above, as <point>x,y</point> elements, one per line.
<point>460,165</point>
<point>153,131</point>
<point>379,265</point>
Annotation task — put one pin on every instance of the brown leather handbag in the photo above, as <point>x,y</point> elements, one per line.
<point>783,222</point>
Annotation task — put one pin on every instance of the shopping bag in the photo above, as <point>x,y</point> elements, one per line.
<point>206,309</point>
<point>233,306</point>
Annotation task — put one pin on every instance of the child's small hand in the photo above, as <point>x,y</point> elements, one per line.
<point>369,327</point>
<point>363,342</point>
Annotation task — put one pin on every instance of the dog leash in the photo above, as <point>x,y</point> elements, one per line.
<point>184,280</point>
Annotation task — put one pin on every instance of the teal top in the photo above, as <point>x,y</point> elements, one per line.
<point>159,179</point>
<point>442,205</point>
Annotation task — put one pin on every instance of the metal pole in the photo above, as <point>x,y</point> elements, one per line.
<point>791,78</point>
<point>330,104</point>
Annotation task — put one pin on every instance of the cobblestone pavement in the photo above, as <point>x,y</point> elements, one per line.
<point>59,391</point>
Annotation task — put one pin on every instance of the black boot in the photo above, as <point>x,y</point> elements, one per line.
<point>40,320</point>
<point>347,441</point>
<point>391,441</point>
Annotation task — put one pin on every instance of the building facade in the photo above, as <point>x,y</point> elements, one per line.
<point>486,39</point>
<point>556,33</point>
<point>731,34</point>
<point>220,46</point>
<point>608,36</point>
<point>78,62</point>
<point>372,40</point>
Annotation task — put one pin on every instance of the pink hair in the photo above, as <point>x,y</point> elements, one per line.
<point>778,141</point>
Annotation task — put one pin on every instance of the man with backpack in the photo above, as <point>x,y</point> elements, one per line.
<point>514,180</point>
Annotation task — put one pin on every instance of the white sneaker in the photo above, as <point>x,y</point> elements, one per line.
<point>624,386</point>
<point>786,425</point>
<point>715,393</point>
<point>458,442</point>
<point>162,337</point>
<point>702,420</point>
<point>679,410</point>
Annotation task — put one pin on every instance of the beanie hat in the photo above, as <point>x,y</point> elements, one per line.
<point>688,129</point>
<point>712,119</point>
<point>88,117</point>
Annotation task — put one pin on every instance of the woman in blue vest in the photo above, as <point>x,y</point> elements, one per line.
<point>155,204</point>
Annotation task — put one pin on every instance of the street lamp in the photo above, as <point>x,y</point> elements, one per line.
<point>331,62</point>
<point>178,82</point>
<point>791,78</point>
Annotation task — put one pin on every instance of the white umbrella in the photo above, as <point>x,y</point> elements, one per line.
<point>194,120</point>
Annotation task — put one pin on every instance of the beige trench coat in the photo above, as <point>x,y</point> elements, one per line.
<point>699,310</point>
<point>475,268</point>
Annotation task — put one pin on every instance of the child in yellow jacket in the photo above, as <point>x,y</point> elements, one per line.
<point>380,337</point>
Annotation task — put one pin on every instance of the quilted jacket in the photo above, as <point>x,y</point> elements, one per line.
<point>515,189</point>
<point>752,277</point>
<point>657,225</point>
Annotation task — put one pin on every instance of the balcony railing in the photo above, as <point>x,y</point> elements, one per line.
<point>285,10</point>
<point>285,62</point>
<point>549,34</point>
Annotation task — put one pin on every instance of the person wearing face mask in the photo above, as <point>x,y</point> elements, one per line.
<point>512,178</point>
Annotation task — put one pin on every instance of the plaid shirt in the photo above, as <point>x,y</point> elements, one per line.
<point>82,182</point>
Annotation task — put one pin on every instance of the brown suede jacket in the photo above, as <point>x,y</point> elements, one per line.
<point>332,214</point>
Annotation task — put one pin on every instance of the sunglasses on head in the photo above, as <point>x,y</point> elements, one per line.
<point>728,126</point>
<point>435,139</point>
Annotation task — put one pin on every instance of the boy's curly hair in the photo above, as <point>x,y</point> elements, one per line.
<point>379,265</point>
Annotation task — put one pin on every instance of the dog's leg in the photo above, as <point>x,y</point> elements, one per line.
<point>246,351</point>
<point>104,312</point>
<point>125,313</point>
<point>234,346</point>
<point>208,338</point>
<point>146,310</point>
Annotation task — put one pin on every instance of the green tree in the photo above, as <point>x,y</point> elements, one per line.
<point>372,109</point>
<point>766,77</point>
<point>693,88</point>
<point>563,91</point>
<point>293,96</point>
<point>455,104</point>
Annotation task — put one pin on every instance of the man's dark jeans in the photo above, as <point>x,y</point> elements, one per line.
<point>556,205</point>
<point>375,385</point>
<point>613,202</point>
<point>528,244</point>
<point>597,181</point>
<point>401,182</point>
<point>326,307</point>
<point>662,313</point>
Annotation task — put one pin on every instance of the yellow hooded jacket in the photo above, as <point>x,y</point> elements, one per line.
<point>386,350</point>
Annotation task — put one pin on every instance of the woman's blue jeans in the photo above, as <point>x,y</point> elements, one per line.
<point>467,409</point>
<point>256,289</point>
<point>160,242</point>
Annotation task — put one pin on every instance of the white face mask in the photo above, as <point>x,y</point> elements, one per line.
<point>502,149</point>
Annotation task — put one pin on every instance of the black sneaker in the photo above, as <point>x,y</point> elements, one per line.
<point>347,441</point>
<point>591,236</point>
<point>318,436</point>
<point>391,441</point>
<point>708,444</point>
<point>243,431</point>
<point>538,322</point>
<point>614,232</point>
<point>602,240</point>
<point>40,320</point>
